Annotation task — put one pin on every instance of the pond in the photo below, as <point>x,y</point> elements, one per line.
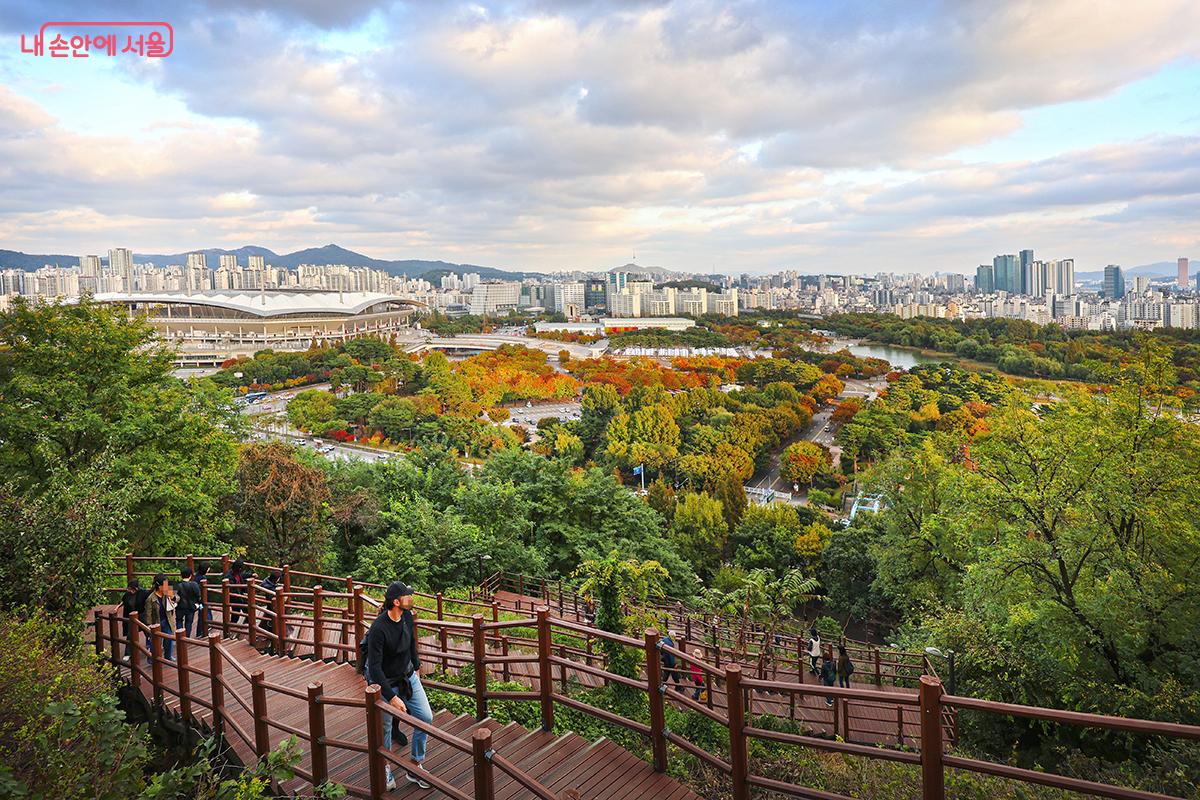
<point>899,357</point>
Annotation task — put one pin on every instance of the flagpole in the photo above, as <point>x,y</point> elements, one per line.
<point>642,472</point>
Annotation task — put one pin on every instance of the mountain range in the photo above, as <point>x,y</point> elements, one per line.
<point>329,254</point>
<point>1159,269</point>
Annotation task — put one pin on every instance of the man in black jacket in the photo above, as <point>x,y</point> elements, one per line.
<point>188,600</point>
<point>133,600</point>
<point>393,664</point>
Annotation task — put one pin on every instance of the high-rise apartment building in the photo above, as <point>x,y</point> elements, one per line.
<point>1026,270</point>
<point>1114,282</point>
<point>1181,279</point>
<point>1006,274</point>
<point>985,282</point>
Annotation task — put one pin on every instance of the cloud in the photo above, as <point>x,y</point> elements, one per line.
<point>756,134</point>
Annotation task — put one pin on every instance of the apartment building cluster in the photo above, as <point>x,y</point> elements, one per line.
<point>121,275</point>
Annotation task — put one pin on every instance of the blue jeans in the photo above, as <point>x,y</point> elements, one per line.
<point>183,621</point>
<point>418,706</point>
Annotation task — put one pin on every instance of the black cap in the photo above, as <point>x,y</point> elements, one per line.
<point>396,590</point>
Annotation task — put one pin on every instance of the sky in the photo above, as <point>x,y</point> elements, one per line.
<point>700,136</point>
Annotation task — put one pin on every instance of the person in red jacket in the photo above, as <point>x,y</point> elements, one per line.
<point>697,673</point>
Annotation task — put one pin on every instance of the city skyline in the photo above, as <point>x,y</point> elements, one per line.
<point>700,137</point>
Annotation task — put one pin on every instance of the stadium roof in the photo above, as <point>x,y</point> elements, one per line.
<point>263,304</point>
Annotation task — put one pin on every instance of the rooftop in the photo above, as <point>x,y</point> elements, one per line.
<point>262,304</point>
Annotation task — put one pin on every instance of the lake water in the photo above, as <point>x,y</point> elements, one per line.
<point>898,357</point>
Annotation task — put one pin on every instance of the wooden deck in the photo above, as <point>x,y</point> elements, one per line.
<point>599,770</point>
<point>861,722</point>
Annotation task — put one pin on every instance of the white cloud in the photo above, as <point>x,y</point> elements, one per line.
<point>751,134</point>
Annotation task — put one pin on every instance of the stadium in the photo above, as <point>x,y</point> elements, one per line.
<point>210,327</point>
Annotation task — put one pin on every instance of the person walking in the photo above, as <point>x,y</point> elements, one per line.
<point>237,591</point>
<point>828,675</point>
<point>670,673</point>
<point>814,649</point>
<point>189,600</point>
<point>393,664</point>
<point>845,667</point>
<point>204,607</point>
<point>697,673</point>
<point>158,611</point>
<point>134,600</point>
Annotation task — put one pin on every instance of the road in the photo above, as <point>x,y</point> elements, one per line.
<point>821,430</point>
<point>269,418</point>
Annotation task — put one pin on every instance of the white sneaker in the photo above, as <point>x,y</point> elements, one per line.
<point>391,780</point>
<point>415,777</point>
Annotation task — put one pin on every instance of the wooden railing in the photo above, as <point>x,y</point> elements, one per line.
<point>477,643</point>
<point>725,639</point>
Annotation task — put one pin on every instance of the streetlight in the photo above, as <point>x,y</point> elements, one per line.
<point>949,656</point>
<point>482,558</point>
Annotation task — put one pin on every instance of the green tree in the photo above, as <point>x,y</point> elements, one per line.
<point>661,497</point>
<point>621,590</point>
<point>728,489</point>
<point>81,382</point>
<point>56,548</point>
<point>648,436</point>
<point>311,410</point>
<point>700,531</point>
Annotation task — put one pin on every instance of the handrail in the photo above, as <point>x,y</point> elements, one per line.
<point>933,709</point>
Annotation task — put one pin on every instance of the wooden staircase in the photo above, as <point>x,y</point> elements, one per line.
<point>567,765</point>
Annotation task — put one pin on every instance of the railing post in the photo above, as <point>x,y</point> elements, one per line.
<point>251,612</point>
<point>280,626</point>
<point>481,753</point>
<point>360,628</point>
<point>226,607</point>
<point>156,658</point>
<point>562,668</point>
<point>114,639</point>
<point>375,760</point>
<point>286,580</point>
<point>258,696</point>
<point>440,612</point>
<point>135,653</point>
<point>655,688</point>
<point>933,780</point>
<point>128,568</point>
<point>878,671</point>
<point>479,650</point>
<point>98,621</point>
<point>504,652</point>
<point>184,681</point>
<point>191,563</point>
<point>218,688</point>
<point>225,564</point>
<point>545,675</point>
<point>737,736</point>
<point>318,615</point>
<point>316,732</point>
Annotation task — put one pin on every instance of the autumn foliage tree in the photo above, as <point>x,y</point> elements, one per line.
<point>801,461</point>
<point>281,507</point>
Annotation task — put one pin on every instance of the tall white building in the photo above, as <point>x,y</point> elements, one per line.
<point>487,299</point>
<point>120,264</point>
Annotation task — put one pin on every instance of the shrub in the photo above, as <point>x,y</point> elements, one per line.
<point>61,734</point>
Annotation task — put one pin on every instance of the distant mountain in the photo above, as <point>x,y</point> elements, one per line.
<point>329,254</point>
<point>657,273</point>
<point>1159,269</point>
<point>13,259</point>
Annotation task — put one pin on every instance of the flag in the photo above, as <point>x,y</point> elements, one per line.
<point>637,470</point>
